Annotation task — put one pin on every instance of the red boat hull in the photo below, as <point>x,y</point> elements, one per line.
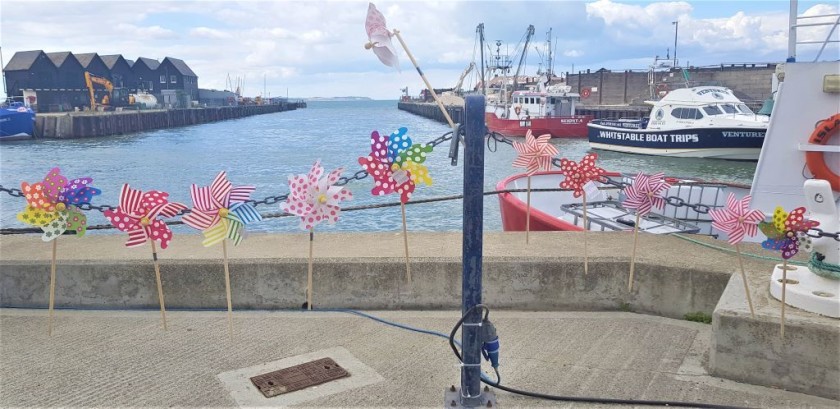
<point>514,211</point>
<point>559,127</point>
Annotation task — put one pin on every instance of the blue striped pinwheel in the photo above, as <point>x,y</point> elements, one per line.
<point>221,211</point>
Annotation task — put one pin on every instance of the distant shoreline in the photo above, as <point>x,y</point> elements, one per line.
<point>326,99</point>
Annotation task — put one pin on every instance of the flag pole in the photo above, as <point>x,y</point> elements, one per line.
<point>52,286</point>
<point>227,288</point>
<point>784,287</point>
<point>426,81</point>
<point>159,284</point>
<point>585,243</point>
<point>744,277</point>
<point>405,244</point>
<point>528,211</point>
<point>309,273</point>
<point>633,257</point>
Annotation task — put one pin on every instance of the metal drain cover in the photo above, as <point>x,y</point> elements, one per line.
<point>298,377</point>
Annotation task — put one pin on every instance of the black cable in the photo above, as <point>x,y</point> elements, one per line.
<point>585,399</point>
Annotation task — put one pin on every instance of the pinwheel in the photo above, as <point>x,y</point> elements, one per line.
<point>222,211</point>
<point>137,215</point>
<point>379,40</point>
<point>533,155</point>
<point>783,235</point>
<point>397,166</point>
<point>577,176</point>
<point>737,221</point>
<point>315,199</point>
<point>643,194</point>
<point>51,205</point>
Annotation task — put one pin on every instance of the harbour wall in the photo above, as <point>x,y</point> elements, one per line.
<point>94,124</point>
<point>430,110</point>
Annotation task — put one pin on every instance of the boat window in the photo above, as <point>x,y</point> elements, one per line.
<point>676,112</point>
<point>712,110</point>
<point>686,113</point>
<point>729,108</point>
<point>745,109</point>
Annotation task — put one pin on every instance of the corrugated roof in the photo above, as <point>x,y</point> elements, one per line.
<point>111,60</point>
<point>59,57</point>
<point>85,59</point>
<point>22,60</point>
<point>181,66</point>
<point>150,62</point>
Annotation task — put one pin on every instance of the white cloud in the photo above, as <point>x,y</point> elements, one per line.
<point>148,32</point>
<point>573,53</point>
<point>207,32</point>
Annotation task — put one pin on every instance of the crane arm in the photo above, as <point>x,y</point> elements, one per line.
<point>457,86</point>
<point>91,79</point>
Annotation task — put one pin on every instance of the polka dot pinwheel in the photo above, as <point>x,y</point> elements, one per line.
<point>52,204</point>
<point>221,211</point>
<point>138,214</point>
<point>396,164</point>
<point>643,194</point>
<point>579,174</point>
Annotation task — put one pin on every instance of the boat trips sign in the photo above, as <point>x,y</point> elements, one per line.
<point>696,138</point>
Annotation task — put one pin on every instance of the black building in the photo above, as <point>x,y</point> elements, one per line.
<point>145,72</point>
<point>120,71</point>
<point>29,70</point>
<point>175,74</point>
<point>71,74</point>
<point>93,64</point>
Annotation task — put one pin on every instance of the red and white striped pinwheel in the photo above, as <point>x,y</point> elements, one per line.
<point>138,214</point>
<point>221,211</point>
<point>579,174</point>
<point>736,219</point>
<point>535,154</point>
<point>646,193</point>
<point>315,199</point>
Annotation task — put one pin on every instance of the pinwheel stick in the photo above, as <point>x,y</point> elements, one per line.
<point>405,244</point>
<point>52,287</point>
<point>309,274</point>
<point>159,285</point>
<point>528,211</point>
<point>423,76</point>
<point>633,257</point>
<point>784,287</point>
<point>744,277</point>
<point>585,243</point>
<point>227,288</point>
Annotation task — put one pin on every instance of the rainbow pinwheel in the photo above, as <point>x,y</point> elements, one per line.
<point>138,213</point>
<point>736,219</point>
<point>314,199</point>
<point>396,164</point>
<point>645,193</point>
<point>535,154</point>
<point>51,204</point>
<point>579,174</point>
<point>784,231</point>
<point>221,211</point>
<point>379,38</point>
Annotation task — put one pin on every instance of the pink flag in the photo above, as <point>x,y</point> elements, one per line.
<point>379,38</point>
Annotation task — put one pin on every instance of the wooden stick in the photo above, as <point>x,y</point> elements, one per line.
<point>744,277</point>
<point>423,76</point>
<point>159,285</point>
<point>52,286</point>
<point>528,211</point>
<point>309,274</point>
<point>227,288</point>
<point>585,241</point>
<point>633,257</point>
<point>784,285</point>
<point>405,244</point>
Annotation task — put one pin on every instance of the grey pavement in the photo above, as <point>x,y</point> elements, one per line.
<point>126,359</point>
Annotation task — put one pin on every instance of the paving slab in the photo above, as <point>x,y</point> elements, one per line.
<point>126,359</point>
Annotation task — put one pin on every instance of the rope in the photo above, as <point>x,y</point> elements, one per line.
<point>730,251</point>
<point>823,269</point>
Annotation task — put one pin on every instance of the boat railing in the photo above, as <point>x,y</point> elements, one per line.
<point>832,20</point>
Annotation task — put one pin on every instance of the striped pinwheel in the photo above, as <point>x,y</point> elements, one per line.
<point>315,199</point>
<point>736,219</point>
<point>51,204</point>
<point>646,193</point>
<point>138,213</point>
<point>221,211</point>
<point>535,154</point>
<point>396,164</point>
<point>579,174</point>
<point>784,231</point>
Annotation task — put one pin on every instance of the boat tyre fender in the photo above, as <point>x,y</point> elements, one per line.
<point>824,130</point>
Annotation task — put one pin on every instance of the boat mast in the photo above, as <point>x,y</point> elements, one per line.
<point>529,33</point>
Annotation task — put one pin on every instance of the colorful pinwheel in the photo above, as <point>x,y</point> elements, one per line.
<point>379,38</point>
<point>314,199</point>
<point>579,174</point>
<point>221,211</point>
<point>51,204</point>
<point>396,164</point>
<point>535,154</point>
<point>138,213</point>
<point>784,231</point>
<point>645,193</point>
<point>736,219</point>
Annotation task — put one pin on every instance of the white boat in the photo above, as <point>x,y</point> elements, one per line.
<point>699,122</point>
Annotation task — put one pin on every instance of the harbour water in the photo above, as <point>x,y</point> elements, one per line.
<point>263,150</point>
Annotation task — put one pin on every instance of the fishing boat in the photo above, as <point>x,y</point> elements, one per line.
<point>17,121</point>
<point>699,122</point>
<point>550,110</point>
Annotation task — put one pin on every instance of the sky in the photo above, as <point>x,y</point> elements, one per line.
<point>316,48</point>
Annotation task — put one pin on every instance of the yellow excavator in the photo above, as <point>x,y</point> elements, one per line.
<point>91,79</point>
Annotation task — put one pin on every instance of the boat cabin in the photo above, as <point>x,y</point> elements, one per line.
<point>553,103</point>
<point>701,106</point>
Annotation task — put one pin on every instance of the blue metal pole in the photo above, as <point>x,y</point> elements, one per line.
<point>472,249</point>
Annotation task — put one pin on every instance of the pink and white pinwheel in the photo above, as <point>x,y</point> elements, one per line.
<point>579,174</point>
<point>535,154</point>
<point>646,193</point>
<point>315,199</point>
<point>736,219</point>
<point>221,211</point>
<point>379,38</point>
<point>138,214</point>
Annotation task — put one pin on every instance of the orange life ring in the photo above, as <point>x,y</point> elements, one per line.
<point>585,93</point>
<point>824,130</point>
